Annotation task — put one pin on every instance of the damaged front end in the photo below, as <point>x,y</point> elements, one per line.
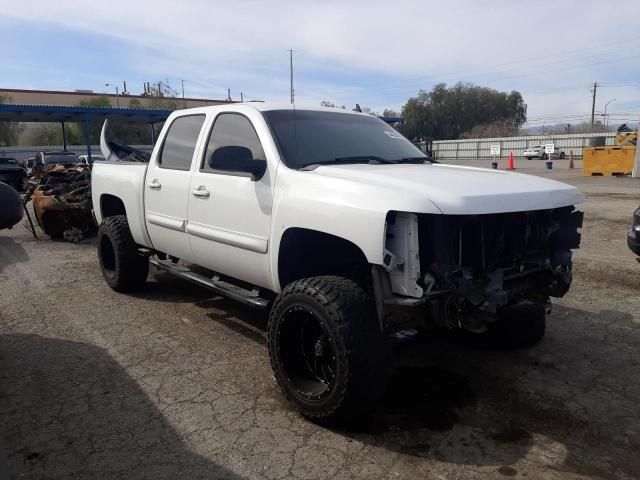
<point>461,270</point>
<point>61,196</point>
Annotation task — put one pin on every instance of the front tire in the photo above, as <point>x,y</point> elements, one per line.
<point>326,349</point>
<point>123,268</point>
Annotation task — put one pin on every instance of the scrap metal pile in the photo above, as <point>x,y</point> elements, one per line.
<point>61,195</point>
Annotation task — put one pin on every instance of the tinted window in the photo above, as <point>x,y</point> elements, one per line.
<point>313,137</point>
<point>7,161</point>
<point>60,158</point>
<point>232,129</point>
<point>180,142</point>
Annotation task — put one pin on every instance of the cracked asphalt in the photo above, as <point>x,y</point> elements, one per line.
<point>174,383</point>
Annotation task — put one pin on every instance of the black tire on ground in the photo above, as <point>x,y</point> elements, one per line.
<point>544,156</point>
<point>529,158</point>
<point>517,326</point>
<point>327,353</point>
<point>124,269</point>
<point>561,155</point>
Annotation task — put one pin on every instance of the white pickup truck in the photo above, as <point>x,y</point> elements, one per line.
<point>343,229</point>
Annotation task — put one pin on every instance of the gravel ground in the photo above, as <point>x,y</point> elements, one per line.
<point>172,383</point>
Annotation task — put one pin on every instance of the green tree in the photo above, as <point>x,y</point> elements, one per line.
<point>50,134</point>
<point>448,112</point>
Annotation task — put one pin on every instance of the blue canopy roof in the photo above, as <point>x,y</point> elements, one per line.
<point>59,113</point>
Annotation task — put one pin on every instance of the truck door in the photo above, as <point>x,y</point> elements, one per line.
<point>166,189</point>
<point>231,201</point>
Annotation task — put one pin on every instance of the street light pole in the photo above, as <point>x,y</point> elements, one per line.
<point>117,94</point>
<point>605,110</point>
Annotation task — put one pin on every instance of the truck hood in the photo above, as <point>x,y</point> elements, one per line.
<point>459,190</point>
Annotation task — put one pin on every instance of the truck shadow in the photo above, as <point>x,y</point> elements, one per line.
<point>452,403</point>
<point>11,252</point>
<point>69,410</point>
<point>163,287</point>
<point>576,390</point>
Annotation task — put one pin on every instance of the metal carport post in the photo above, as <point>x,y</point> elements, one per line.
<point>87,135</point>
<point>64,136</point>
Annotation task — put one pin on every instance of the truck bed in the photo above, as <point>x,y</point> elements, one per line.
<point>123,180</point>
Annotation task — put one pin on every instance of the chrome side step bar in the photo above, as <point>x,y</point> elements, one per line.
<point>248,297</point>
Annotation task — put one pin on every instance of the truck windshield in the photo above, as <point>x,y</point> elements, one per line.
<point>309,137</point>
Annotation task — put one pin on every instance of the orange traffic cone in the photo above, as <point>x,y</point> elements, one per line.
<point>512,164</point>
<point>571,160</point>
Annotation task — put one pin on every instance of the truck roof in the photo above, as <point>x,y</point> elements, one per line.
<point>267,106</point>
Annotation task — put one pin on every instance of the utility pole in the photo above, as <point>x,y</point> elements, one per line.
<point>182,82</point>
<point>291,74</point>
<point>593,104</point>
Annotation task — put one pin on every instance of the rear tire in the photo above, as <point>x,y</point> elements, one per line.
<point>517,326</point>
<point>123,268</point>
<point>561,155</point>
<point>327,353</point>
<point>544,156</point>
<point>529,158</point>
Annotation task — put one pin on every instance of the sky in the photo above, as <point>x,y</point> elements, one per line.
<point>375,53</point>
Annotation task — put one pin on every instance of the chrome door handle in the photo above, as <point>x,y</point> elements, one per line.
<point>155,184</point>
<point>201,192</point>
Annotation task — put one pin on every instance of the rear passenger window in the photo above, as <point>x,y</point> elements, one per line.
<point>180,142</point>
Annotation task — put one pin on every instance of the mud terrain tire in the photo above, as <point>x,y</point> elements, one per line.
<point>327,353</point>
<point>123,268</point>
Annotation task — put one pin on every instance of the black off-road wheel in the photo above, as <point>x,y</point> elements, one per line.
<point>517,326</point>
<point>562,155</point>
<point>124,269</point>
<point>327,352</point>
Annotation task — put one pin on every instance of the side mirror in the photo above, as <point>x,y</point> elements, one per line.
<point>237,159</point>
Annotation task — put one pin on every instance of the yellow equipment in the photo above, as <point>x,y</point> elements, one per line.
<point>611,160</point>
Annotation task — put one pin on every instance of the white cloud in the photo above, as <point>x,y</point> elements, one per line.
<point>373,52</point>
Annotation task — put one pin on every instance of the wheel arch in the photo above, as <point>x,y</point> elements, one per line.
<point>111,205</point>
<point>306,252</point>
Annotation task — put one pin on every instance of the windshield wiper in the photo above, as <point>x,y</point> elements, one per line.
<point>416,160</point>
<point>369,159</point>
<point>358,158</point>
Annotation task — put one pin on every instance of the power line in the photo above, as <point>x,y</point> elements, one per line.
<point>619,86</point>
<point>529,71</point>
<point>530,60</point>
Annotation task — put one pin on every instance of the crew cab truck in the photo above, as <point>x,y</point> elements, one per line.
<point>340,227</point>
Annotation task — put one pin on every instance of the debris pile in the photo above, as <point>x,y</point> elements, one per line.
<point>61,195</point>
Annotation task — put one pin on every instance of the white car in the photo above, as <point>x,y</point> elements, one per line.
<point>538,151</point>
<point>340,227</point>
